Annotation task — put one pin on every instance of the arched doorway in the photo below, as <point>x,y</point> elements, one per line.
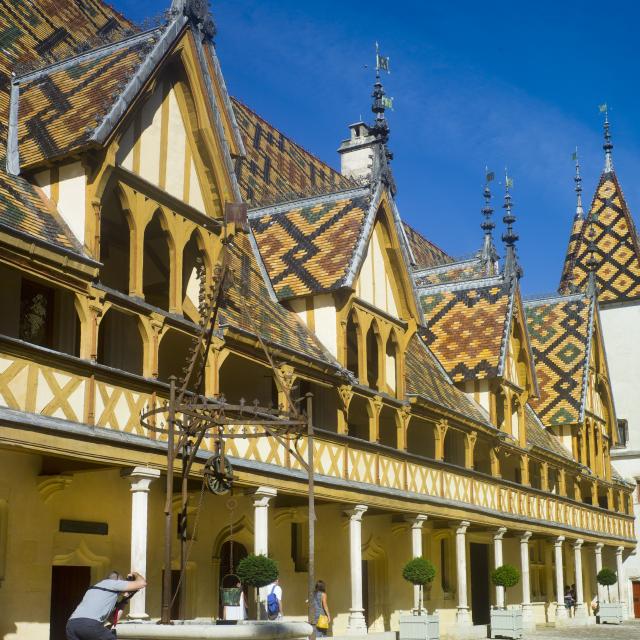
<point>231,553</point>
<point>156,266</point>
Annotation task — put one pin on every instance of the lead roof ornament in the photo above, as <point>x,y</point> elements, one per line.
<point>381,169</point>
<point>510,237</point>
<point>608,145</point>
<point>578,180</point>
<point>489,254</point>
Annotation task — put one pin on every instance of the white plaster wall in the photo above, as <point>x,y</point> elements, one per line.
<point>150,136</point>
<point>326,322</point>
<point>176,148</point>
<point>621,329</point>
<point>299,307</point>
<point>374,283</point>
<point>43,180</point>
<point>71,198</point>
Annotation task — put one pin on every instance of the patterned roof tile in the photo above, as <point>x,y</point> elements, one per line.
<point>426,253</point>
<point>425,378</point>
<point>58,111</point>
<point>559,333</point>
<point>465,328</point>
<point>275,167</point>
<point>265,316</point>
<point>617,247</point>
<point>538,436</point>
<point>307,247</point>
<point>43,30</point>
<point>452,272</point>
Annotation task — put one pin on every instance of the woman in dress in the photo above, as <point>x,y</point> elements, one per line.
<point>322,617</point>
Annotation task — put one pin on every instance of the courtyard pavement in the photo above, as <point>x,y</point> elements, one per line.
<point>630,630</point>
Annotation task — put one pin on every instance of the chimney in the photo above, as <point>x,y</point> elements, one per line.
<point>356,153</point>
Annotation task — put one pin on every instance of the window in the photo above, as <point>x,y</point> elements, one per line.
<point>36,313</point>
<point>623,432</point>
<point>300,546</point>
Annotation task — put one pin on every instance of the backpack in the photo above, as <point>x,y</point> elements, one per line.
<point>273,605</point>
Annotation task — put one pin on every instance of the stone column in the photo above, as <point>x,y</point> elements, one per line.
<point>356,624</point>
<point>497,562</point>
<point>416,552</point>
<point>463,615</point>
<point>622,583</point>
<point>527,608</point>
<point>598,552</point>
<point>561,611</point>
<point>263,496</point>
<point>581,609</point>
<point>140,478</point>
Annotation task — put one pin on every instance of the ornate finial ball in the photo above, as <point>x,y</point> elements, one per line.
<point>196,10</point>
<point>208,29</point>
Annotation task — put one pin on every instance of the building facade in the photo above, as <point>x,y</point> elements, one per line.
<point>607,236</point>
<point>453,419</point>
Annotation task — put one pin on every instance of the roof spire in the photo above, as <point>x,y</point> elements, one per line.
<point>578,180</point>
<point>510,237</point>
<point>380,129</point>
<point>608,145</point>
<point>489,254</point>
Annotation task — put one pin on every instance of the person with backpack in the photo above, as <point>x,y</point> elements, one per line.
<point>97,607</point>
<point>274,600</point>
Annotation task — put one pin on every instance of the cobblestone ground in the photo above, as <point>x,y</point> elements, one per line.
<point>630,630</point>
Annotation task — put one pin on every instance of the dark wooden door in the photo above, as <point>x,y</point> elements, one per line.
<point>68,585</point>
<point>479,564</point>
<point>636,599</point>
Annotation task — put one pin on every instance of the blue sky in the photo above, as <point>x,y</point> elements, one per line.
<point>475,83</point>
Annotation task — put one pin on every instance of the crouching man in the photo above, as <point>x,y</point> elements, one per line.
<point>87,622</point>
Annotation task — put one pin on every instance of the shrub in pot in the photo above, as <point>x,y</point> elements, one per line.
<point>505,576</point>
<point>607,578</point>
<point>419,572</point>
<point>257,571</point>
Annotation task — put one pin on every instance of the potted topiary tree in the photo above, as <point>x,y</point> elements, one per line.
<point>419,626</point>
<point>609,612</point>
<point>257,572</point>
<point>506,623</point>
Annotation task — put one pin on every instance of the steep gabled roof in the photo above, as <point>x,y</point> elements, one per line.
<point>455,271</point>
<point>307,245</point>
<point>424,253</point>
<point>265,315</point>
<point>560,329</point>
<point>466,324</point>
<point>616,243</point>
<point>275,167</point>
<point>60,107</point>
<point>538,436</point>
<point>425,378</point>
<point>46,30</point>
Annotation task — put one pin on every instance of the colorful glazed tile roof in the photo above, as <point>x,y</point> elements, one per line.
<point>459,271</point>
<point>275,167</point>
<point>465,327</point>
<point>538,436</point>
<point>33,31</point>
<point>560,333</point>
<point>265,315</point>
<point>617,247</point>
<point>425,253</point>
<point>307,246</point>
<point>59,110</point>
<point>426,379</point>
